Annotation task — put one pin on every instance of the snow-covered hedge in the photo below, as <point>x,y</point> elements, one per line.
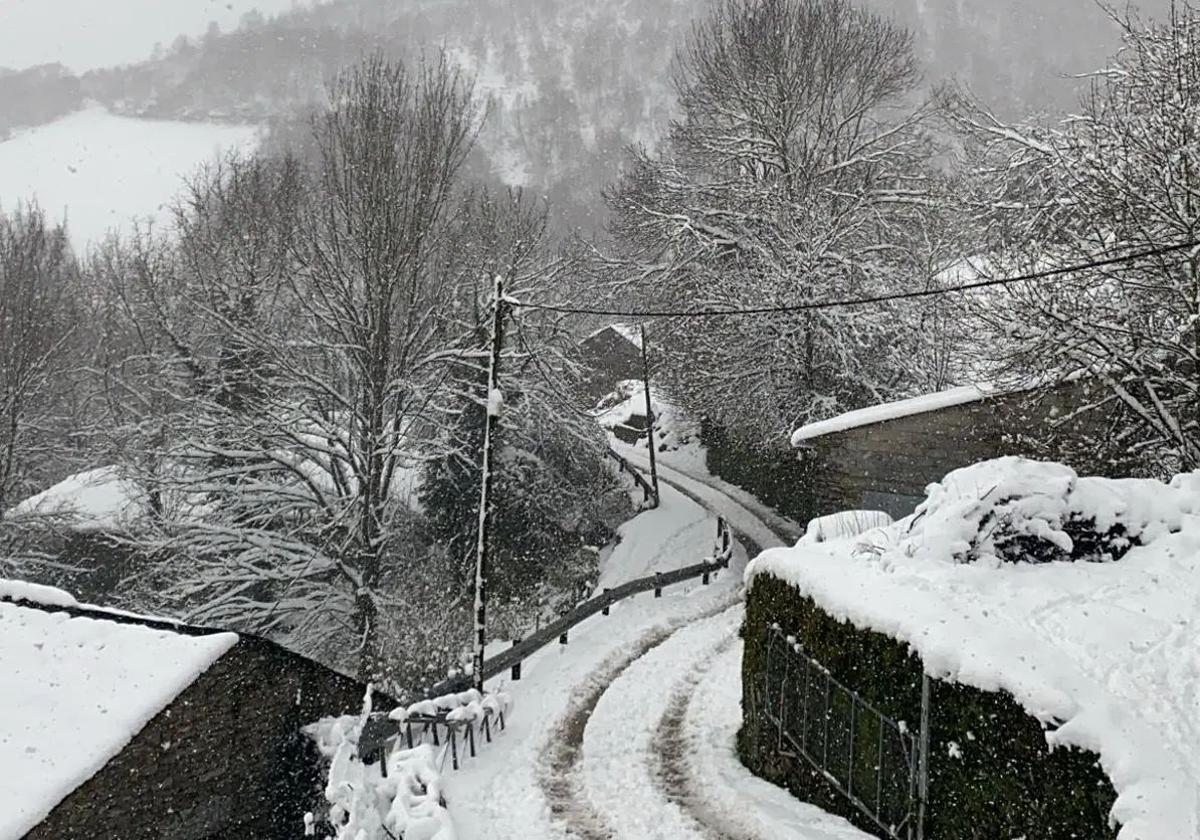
<point>1062,694</point>
<point>365,804</point>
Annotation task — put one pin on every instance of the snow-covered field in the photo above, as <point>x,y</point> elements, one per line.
<point>87,35</point>
<point>100,170</point>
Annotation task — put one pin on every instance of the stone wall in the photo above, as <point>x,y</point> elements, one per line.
<point>610,358</point>
<point>225,760</point>
<point>991,773</point>
<point>886,466</point>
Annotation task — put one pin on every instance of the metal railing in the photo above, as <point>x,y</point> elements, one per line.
<point>559,629</point>
<point>872,760</point>
<point>379,730</point>
<point>452,736</point>
<point>649,496</point>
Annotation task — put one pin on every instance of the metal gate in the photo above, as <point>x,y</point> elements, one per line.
<point>876,762</point>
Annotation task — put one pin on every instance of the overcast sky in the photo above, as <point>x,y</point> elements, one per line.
<point>87,34</point>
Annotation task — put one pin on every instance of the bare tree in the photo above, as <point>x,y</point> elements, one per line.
<point>37,283</point>
<point>307,325</point>
<point>799,171</point>
<point>1122,175</point>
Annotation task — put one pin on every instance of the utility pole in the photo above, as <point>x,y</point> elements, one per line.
<point>495,400</point>
<point>649,417</point>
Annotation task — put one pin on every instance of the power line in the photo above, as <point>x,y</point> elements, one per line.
<point>862,301</point>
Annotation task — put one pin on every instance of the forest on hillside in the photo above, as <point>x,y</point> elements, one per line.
<point>570,84</point>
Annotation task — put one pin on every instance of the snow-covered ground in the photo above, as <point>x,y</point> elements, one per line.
<point>99,170</point>
<point>95,500</point>
<point>1107,654</point>
<point>682,461</point>
<point>74,691</point>
<point>628,731</point>
<point>658,540</point>
<point>658,772</point>
<point>87,35</point>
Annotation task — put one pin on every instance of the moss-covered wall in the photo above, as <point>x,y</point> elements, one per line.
<point>991,775</point>
<point>772,474</point>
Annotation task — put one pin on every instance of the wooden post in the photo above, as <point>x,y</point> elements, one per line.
<point>657,585</point>
<point>485,484</point>
<point>516,668</point>
<point>562,640</point>
<point>649,418</point>
<point>606,609</point>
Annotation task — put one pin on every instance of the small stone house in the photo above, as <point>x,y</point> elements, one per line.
<point>612,355</point>
<point>882,457</point>
<point>120,727</point>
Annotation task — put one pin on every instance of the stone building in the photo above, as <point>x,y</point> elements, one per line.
<point>612,355</point>
<point>882,457</point>
<point>118,727</point>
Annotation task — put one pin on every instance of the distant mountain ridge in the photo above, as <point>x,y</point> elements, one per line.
<point>571,82</point>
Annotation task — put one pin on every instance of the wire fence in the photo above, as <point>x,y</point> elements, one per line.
<point>875,762</point>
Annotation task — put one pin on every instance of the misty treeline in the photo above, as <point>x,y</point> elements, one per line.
<point>806,166</point>
<point>570,82</point>
<point>289,389</point>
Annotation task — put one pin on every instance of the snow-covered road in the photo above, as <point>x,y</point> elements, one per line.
<point>628,731</point>
<point>750,517</point>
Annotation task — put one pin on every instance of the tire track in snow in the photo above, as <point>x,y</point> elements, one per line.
<point>559,771</point>
<point>673,773</point>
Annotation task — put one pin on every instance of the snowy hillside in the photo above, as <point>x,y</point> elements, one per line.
<point>101,170</point>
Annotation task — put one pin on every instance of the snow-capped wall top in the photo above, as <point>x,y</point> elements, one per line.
<point>73,692</point>
<point>1106,653</point>
<point>893,410</point>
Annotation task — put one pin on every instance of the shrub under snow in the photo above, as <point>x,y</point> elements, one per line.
<point>1014,510</point>
<point>406,802</point>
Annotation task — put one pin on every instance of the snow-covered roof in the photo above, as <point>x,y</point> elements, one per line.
<point>95,500</point>
<point>626,331</point>
<point>894,410</point>
<point>74,691</point>
<point>1106,653</point>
